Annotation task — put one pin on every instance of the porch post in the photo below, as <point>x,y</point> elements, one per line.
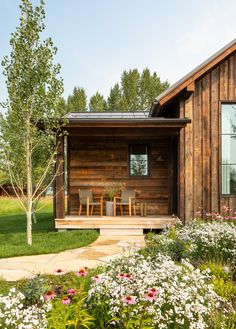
<point>59,197</point>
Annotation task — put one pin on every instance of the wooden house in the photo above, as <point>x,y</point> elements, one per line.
<point>187,142</point>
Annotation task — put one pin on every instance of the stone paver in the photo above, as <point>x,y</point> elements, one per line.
<point>101,251</point>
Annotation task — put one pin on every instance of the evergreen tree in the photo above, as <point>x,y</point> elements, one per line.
<point>97,103</point>
<point>135,92</point>
<point>77,102</point>
<point>114,99</point>
<point>130,90</point>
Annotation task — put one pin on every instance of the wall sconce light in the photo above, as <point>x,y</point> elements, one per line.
<point>160,158</point>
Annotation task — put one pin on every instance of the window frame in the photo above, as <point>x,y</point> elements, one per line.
<point>221,103</point>
<point>148,161</point>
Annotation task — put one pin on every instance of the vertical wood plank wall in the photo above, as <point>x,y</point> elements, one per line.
<point>200,142</point>
<point>94,163</point>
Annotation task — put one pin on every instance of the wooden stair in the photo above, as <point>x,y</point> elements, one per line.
<point>115,223</point>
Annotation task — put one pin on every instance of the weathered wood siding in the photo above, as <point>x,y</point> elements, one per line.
<point>200,142</point>
<point>95,162</point>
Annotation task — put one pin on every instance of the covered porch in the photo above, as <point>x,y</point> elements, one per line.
<point>99,152</point>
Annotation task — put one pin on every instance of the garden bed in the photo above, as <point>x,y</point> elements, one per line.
<point>184,278</point>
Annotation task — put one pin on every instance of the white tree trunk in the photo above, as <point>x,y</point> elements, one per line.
<point>29,227</point>
<point>34,217</point>
<point>34,213</point>
<point>29,182</point>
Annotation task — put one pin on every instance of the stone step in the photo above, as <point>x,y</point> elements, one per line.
<point>121,231</point>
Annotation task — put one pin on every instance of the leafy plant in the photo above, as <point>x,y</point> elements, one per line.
<point>73,316</point>
<point>34,289</point>
<point>218,269</point>
<point>113,189</point>
<point>225,289</point>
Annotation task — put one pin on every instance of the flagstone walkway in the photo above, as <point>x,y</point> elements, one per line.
<point>104,249</point>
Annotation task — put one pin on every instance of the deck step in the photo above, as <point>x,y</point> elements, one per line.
<point>121,231</point>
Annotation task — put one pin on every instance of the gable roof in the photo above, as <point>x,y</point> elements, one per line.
<point>188,80</point>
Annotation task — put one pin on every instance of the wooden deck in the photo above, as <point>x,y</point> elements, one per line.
<point>118,222</point>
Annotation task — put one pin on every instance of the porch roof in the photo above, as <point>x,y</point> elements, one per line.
<point>121,119</point>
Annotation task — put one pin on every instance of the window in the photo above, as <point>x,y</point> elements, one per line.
<point>138,160</point>
<point>228,147</point>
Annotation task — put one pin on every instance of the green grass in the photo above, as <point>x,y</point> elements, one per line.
<point>45,238</point>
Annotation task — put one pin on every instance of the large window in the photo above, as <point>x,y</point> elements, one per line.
<point>138,160</point>
<point>228,144</point>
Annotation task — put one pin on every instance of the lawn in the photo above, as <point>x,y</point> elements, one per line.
<point>45,238</point>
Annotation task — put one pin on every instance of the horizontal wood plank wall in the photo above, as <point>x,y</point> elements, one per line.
<point>94,163</point>
<point>203,107</point>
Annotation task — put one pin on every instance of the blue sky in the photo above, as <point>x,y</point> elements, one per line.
<point>98,39</point>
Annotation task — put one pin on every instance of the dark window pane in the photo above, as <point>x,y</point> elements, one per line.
<point>229,179</point>
<point>138,149</point>
<point>138,160</point>
<point>228,114</point>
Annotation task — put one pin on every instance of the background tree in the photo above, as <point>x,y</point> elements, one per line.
<point>34,97</point>
<point>97,103</point>
<point>136,91</point>
<point>150,86</point>
<point>114,100</point>
<point>77,102</point>
<point>130,90</point>
<point>61,107</point>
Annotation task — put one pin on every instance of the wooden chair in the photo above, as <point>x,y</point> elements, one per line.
<point>127,198</point>
<point>86,198</point>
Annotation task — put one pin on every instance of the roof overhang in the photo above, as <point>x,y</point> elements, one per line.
<point>137,123</point>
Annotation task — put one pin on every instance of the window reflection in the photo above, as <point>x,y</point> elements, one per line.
<point>228,115</point>
<point>138,160</point>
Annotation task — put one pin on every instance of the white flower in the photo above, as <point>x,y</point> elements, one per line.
<point>186,291</point>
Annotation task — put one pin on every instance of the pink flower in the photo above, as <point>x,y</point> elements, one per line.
<point>49,295</point>
<point>65,300</point>
<point>72,292</point>
<point>126,276</point>
<point>59,272</point>
<point>150,296</point>
<point>153,290</point>
<point>82,272</point>
<point>129,300</point>
<point>208,214</point>
<point>97,278</point>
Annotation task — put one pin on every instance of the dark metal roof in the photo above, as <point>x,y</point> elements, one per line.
<point>106,115</point>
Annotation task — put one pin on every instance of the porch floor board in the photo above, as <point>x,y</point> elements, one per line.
<point>118,222</point>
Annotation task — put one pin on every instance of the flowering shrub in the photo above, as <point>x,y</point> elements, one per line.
<point>68,303</point>
<point>141,293</point>
<point>227,214</point>
<point>197,241</point>
<point>215,240</point>
<point>14,314</point>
